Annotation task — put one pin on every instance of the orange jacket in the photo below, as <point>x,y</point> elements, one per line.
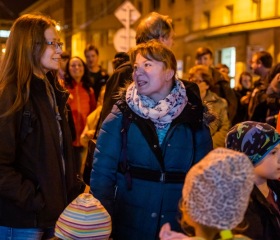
<point>82,103</point>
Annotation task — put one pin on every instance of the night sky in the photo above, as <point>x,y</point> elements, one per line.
<point>9,9</point>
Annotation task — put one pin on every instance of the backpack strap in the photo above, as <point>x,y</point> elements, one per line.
<point>123,163</point>
<point>26,126</point>
<point>136,172</point>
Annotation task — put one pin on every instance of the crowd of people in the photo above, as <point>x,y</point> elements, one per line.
<point>169,158</point>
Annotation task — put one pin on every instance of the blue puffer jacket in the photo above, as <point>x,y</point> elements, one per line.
<point>139,212</point>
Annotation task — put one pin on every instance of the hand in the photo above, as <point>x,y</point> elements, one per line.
<point>245,99</point>
<point>89,134</point>
<point>85,137</point>
<point>167,234</point>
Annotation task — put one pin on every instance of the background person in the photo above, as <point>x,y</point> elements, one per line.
<point>200,75</point>
<point>82,103</point>
<point>96,72</point>
<point>155,135</point>
<point>261,64</point>
<point>243,93</point>
<point>119,59</point>
<point>220,84</point>
<point>37,176</point>
<point>273,95</point>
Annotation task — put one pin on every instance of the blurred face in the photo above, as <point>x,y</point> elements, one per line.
<point>224,70</point>
<point>246,82</point>
<point>269,167</point>
<point>50,59</point>
<point>205,60</point>
<point>169,41</point>
<point>203,86</point>
<point>151,79</point>
<point>91,59</point>
<point>76,69</point>
<point>255,65</point>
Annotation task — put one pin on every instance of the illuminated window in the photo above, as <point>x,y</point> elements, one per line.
<point>4,33</point>
<point>228,56</point>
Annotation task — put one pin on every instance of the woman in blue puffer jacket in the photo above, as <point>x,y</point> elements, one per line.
<point>147,144</point>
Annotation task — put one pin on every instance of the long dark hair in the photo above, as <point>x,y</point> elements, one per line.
<point>86,80</point>
<point>24,49</point>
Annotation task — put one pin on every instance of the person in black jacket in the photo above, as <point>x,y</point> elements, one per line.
<point>37,176</point>
<point>273,95</point>
<point>243,93</point>
<point>261,143</point>
<point>261,64</point>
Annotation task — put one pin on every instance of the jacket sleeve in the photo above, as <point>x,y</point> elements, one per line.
<point>106,157</point>
<point>223,126</point>
<point>14,186</point>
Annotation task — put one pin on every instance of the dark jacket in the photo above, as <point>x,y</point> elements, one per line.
<point>273,105</point>
<point>34,189</point>
<point>99,80</point>
<point>257,108</point>
<point>261,217</point>
<point>222,88</point>
<point>118,79</point>
<point>139,212</point>
<point>242,108</point>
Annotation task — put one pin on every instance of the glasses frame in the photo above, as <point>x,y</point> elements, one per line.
<point>55,44</point>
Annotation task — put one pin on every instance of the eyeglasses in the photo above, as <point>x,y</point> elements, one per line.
<point>56,44</point>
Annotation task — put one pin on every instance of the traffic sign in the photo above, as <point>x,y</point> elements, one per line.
<point>127,12</point>
<point>120,40</point>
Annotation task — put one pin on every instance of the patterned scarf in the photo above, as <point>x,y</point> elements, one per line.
<point>160,113</point>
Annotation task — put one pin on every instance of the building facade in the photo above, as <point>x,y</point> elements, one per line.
<point>232,29</point>
<point>61,11</point>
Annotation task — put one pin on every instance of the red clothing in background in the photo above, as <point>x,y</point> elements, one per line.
<point>82,103</point>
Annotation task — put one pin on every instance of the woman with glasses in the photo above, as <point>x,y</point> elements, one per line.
<point>37,177</point>
<point>216,105</point>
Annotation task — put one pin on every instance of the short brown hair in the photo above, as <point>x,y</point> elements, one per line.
<point>204,72</point>
<point>203,51</point>
<point>91,47</point>
<point>155,50</point>
<point>154,26</point>
<point>265,58</point>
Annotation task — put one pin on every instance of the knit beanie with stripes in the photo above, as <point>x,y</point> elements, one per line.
<point>84,218</point>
